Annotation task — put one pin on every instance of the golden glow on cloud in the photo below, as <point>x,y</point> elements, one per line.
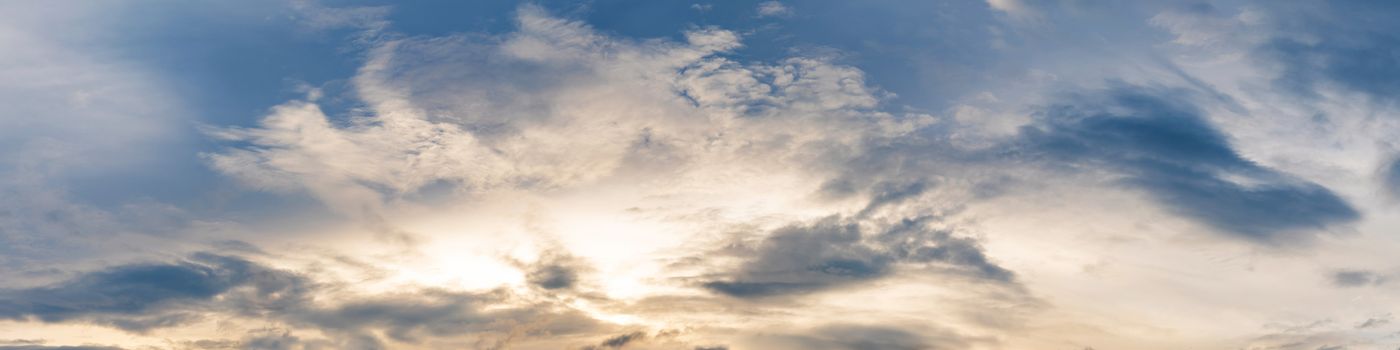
<point>1137,176</point>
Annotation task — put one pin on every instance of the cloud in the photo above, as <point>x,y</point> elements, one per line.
<point>1287,42</point>
<point>555,106</point>
<point>856,336</point>
<point>147,296</point>
<point>1161,145</point>
<point>694,184</point>
<point>318,17</point>
<point>1365,66</point>
<point>261,339</point>
<point>487,115</point>
<point>885,193</point>
<point>554,271</point>
<point>41,347</point>
<point>1315,335</point>
<point>617,342</point>
<point>79,116</point>
<point>1356,278</point>
<point>773,9</point>
<point>484,116</point>
<point>1390,177</point>
<point>833,252</point>
<point>26,344</point>
<point>1374,322</point>
<point>1017,9</point>
<point>1360,60</point>
<point>411,317</point>
<point>141,298</point>
<point>67,89</point>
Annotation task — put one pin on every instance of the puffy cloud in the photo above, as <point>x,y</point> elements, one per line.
<point>486,116</point>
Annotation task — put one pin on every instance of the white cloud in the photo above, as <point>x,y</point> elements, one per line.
<point>1015,8</point>
<point>553,106</point>
<point>773,9</point>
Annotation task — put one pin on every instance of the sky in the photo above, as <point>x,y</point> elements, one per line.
<point>699,175</point>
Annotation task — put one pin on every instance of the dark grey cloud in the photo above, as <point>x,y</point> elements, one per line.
<point>798,259</point>
<point>913,241</point>
<point>1374,322</point>
<point>141,297</point>
<point>1356,278</point>
<point>888,192</point>
<point>617,342</point>
<point>553,277</point>
<point>554,271</point>
<point>1161,145</point>
<point>833,252</point>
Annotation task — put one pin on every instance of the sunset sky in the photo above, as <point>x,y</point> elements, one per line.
<point>699,175</point>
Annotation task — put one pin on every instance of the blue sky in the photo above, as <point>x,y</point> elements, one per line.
<point>998,174</point>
